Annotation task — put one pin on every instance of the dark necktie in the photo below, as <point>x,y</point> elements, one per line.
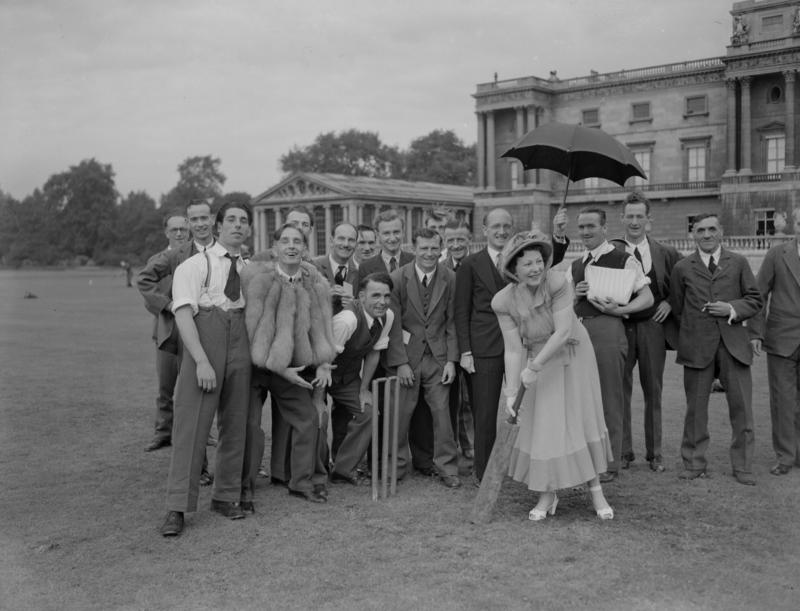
<point>232,286</point>
<point>392,264</point>
<point>425,280</point>
<point>638,256</point>
<point>588,260</point>
<point>456,266</point>
<point>339,277</point>
<point>375,328</point>
<point>711,265</point>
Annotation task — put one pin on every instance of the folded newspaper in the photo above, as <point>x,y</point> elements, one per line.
<point>605,283</point>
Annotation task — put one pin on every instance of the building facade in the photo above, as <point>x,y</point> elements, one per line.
<point>334,198</point>
<point>713,134</point>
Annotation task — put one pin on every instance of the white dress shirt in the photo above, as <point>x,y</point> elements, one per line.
<point>295,278</point>
<point>335,266</point>
<point>644,252</point>
<point>493,254</point>
<point>387,258</point>
<point>630,263</point>
<point>345,324</point>
<point>187,285</point>
<point>706,257</point>
<point>421,274</point>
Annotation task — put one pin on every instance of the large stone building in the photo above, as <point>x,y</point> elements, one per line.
<point>713,134</point>
<point>356,199</point>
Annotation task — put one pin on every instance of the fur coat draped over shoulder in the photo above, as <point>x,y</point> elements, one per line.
<point>288,324</point>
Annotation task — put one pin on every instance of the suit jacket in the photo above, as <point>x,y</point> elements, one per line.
<point>664,259</point>
<point>150,281</point>
<point>478,281</point>
<point>323,264</point>
<point>375,264</point>
<point>437,329</point>
<point>778,322</point>
<point>692,286</point>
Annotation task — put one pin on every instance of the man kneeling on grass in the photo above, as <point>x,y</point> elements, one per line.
<point>215,374</point>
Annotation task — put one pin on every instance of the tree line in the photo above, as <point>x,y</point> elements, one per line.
<point>78,215</point>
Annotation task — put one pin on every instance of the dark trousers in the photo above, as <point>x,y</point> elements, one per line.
<point>784,406</point>
<point>646,345</point>
<point>167,371</point>
<point>460,413</point>
<point>736,379</point>
<point>358,431</point>
<point>484,388</point>
<point>224,340</point>
<point>610,349</point>
<point>428,382</point>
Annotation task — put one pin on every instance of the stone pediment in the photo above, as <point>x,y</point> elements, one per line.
<point>298,187</point>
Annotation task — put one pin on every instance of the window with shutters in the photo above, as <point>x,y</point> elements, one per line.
<point>641,112</point>
<point>697,105</point>
<point>591,117</point>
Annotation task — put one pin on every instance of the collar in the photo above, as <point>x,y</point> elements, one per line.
<point>370,320</point>
<point>335,266</point>
<point>492,253</point>
<point>643,246</point>
<point>707,256</point>
<point>201,248</point>
<point>219,250</point>
<point>387,258</point>
<point>286,276</point>
<point>599,251</point>
<point>421,274</point>
<point>355,263</point>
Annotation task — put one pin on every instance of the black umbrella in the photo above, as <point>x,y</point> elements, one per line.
<point>577,152</point>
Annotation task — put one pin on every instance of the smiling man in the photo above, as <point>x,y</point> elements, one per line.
<point>424,349</point>
<point>215,373</point>
<point>338,266</point>
<point>366,244</point>
<point>713,293</point>
<point>390,229</point>
<point>649,331</point>
<point>603,321</point>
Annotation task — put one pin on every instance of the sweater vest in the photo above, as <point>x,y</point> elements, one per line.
<point>614,259</point>
<point>348,363</point>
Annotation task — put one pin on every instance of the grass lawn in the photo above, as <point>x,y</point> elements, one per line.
<point>81,503</point>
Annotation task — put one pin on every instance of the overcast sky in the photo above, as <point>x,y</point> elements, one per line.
<point>144,84</point>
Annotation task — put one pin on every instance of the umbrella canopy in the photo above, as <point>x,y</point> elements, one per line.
<point>577,152</point>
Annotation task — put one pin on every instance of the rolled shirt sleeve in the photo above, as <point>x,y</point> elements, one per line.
<point>344,325</point>
<point>641,280</point>
<point>187,285</point>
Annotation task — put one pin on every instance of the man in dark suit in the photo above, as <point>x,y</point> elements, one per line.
<point>457,239</point>
<point>713,292</point>
<point>338,267</point>
<point>480,341</point>
<point>776,330</point>
<point>159,270</point>
<point>177,231</point>
<point>424,348</point>
<point>648,331</point>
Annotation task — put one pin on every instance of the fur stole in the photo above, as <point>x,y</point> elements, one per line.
<point>289,324</point>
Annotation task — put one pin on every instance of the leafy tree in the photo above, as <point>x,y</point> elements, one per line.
<point>351,152</point>
<point>29,231</point>
<point>198,178</point>
<point>441,157</point>
<point>84,201</point>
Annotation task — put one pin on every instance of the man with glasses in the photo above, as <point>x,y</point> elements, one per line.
<point>155,285</point>
<point>480,340</point>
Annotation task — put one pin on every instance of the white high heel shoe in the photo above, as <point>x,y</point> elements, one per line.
<point>536,515</point>
<point>603,514</point>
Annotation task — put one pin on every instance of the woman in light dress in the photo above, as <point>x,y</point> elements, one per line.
<point>563,440</point>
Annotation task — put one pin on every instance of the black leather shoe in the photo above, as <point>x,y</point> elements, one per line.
<point>321,489</point>
<point>338,477</point>
<point>173,526</point>
<point>655,465</point>
<point>311,497</point>
<point>780,469</point>
<point>451,481</point>
<point>689,474</point>
<point>278,482</point>
<point>226,509</point>
<point>744,478</point>
<point>248,507</point>
<point>608,477</point>
<point>206,479</point>
<point>627,459</point>
<point>157,444</point>
<point>426,471</point>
